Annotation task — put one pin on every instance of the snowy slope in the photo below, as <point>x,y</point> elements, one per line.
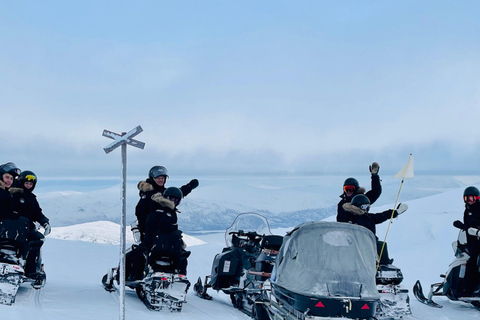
<point>419,241</point>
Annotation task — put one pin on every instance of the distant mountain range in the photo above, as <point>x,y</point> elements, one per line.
<point>216,202</point>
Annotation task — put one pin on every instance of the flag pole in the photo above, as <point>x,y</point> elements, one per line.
<point>406,172</point>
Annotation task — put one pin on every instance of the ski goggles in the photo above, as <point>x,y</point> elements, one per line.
<point>174,200</point>
<point>365,207</point>
<point>471,198</point>
<point>30,177</point>
<point>349,188</point>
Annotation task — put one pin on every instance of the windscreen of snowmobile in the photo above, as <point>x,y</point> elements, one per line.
<point>247,222</point>
<point>329,259</point>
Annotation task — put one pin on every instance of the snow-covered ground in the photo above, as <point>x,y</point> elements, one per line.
<point>419,241</point>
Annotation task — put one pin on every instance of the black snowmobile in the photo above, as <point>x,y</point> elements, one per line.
<point>453,279</point>
<point>323,270</point>
<point>162,286</point>
<point>245,264</point>
<point>14,247</point>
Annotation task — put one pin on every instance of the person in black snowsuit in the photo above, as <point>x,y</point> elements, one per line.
<point>358,213</point>
<point>351,188</point>
<point>8,173</point>
<point>163,240</point>
<point>26,205</point>
<point>157,177</point>
<point>471,219</point>
<point>13,228</point>
<point>135,259</point>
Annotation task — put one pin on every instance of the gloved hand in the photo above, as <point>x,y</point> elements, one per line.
<point>193,184</point>
<point>47,228</point>
<point>401,208</point>
<point>374,167</point>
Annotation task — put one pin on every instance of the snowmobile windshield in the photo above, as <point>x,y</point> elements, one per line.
<point>247,223</point>
<point>328,259</point>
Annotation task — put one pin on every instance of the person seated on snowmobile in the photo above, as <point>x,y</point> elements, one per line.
<point>8,173</point>
<point>357,213</point>
<point>351,188</point>
<point>471,219</point>
<point>12,223</point>
<point>162,237</point>
<point>157,177</point>
<point>155,184</point>
<point>26,205</point>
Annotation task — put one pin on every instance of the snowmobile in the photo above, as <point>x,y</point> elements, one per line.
<point>453,279</point>
<point>162,285</point>
<point>13,250</point>
<point>324,270</point>
<point>245,264</point>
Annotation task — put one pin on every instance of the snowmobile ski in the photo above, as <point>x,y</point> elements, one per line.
<point>200,290</point>
<point>418,293</point>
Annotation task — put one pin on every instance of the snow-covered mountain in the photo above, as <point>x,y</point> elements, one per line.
<point>217,201</point>
<point>419,241</point>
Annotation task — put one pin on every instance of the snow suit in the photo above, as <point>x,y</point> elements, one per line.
<point>471,218</point>
<point>6,201</point>
<point>25,204</point>
<point>372,195</point>
<point>162,239</point>
<point>146,190</point>
<point>11,223</point>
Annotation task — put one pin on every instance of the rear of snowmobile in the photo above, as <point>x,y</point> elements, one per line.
<point>394,299</point>
<point>162,288</point>
<point>324,270</point>
<point>244,265</point>
<point>453,279</point>
<point>13,249</point>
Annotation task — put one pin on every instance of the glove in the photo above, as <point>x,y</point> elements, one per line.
<point>193,184</point>
<point>47,228</point>
<point>401,208</point>
<point>374,167</point>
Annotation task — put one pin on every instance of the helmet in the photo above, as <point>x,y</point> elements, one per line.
<point>10,168</point>
<point>27,176</point>
<point>471,191</point>
<point>471,194</point>
<point>351,182</point>
<point>157,171</point>
<point>174,194</point>
<point>361,201</point>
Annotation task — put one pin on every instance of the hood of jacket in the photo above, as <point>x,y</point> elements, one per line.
<point>353,209</point>
<point>144,186</point>
<point>164,202</point>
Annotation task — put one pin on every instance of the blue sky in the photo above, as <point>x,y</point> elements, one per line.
<point>241,87</point>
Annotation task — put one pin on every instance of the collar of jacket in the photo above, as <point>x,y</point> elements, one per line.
<point>351,208</point>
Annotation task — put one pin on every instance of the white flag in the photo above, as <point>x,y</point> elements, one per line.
<point>407,171</point>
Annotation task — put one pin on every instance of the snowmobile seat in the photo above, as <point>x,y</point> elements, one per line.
<point>271,242</point>
<point>162,261</point>
<point>11,250</point>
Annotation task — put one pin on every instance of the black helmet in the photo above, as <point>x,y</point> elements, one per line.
<point>471,191</point>
<point>157,171</point>
<point>174,194</point>
<point>351,182</point>
<point>361,201</point>
<point>27,176</point>
<point>471,194</point>
<point>10,168</point>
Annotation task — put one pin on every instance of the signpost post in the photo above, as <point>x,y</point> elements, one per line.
<point>122,140</point>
